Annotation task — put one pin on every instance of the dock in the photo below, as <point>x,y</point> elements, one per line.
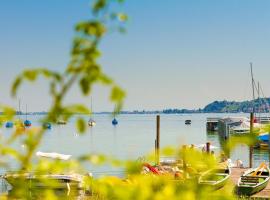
<point>212,123</point>
<point>237,172</point>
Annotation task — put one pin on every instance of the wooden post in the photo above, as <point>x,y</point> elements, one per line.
<point>207,147</point>
<point>251,132</point>
<point>184,161</point>
<point>158,140</point>
<point>155,151</point>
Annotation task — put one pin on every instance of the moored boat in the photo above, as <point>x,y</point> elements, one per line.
<point>215,178</point>
<point>61,122</point>
<point>114,122</point>
<point>9,124</point>
<point>253,180</point>
<point>91,122</point>
<point>188,122</point>
<point>37,181</point>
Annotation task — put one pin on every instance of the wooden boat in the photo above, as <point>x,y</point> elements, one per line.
<point>215,178</point>
<point>253,180</point>
<point>46,181</point>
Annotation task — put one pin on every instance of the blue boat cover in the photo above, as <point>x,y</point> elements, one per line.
<point>264,138</point>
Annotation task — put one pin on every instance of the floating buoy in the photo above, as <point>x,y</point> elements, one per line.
<point>9,125</point>
<point>27,123</point>
<point>47,125</point>
<point>114,122</point>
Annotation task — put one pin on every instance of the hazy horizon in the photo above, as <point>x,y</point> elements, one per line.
<point>181,54</point>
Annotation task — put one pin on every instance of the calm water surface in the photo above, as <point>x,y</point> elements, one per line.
<point>133,137</point>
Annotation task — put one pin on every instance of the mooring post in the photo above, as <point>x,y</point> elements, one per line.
<point>157,139</point>
<point>207,147</point>
<point>156,151</point>
<point>184,148</point>
<point>251,132</point>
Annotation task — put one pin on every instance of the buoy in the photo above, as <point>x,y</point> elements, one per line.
<point>9,124</point>
<point>27,123</point>
<point>114,122</point>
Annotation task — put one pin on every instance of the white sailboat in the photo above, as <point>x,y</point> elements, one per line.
<point>244,127</point>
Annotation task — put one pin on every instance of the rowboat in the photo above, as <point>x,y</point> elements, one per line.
<point>253,180</point>
<point>52,181</point>
<point>215,178</point>
<point>40,180</point>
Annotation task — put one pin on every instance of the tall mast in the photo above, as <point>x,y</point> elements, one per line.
<point>253,92</point>
<point>91,105</point>
<point>259,101</point>
<point>26,112</point>
<point>19,106</point>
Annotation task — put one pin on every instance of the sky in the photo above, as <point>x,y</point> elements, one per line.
<point>175,53</point>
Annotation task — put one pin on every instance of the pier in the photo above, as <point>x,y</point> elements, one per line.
<point>212,123</point>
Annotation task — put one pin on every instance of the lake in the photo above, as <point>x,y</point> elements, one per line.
<point>133,137</point>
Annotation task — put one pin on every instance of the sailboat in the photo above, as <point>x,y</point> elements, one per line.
<point>27,123</point>
<point>91,121</point>
<point>114,121</point>
<point>9,124</point>
<point>244,127</point>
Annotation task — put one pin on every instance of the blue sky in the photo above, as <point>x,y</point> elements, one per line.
<point>175,54</point>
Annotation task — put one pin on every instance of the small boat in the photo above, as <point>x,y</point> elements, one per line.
<point>91,122</point>
<point>188,122</point>
<point>53,155</point>
<point>9,124</point>
<point>40,181</point>
<point>61,122</point>
<point>253,180</point>
<point>27,123</point>
<point>114,122</point>
<point>264,146</point>
<point>215,178</point>
<point>47,125</point>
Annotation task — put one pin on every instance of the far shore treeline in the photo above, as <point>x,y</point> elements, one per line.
<point>261,105</point>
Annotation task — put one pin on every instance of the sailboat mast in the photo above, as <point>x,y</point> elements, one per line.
<point>91,105</point>
<point>253,90</point>
<point>26,112</point>
<point>259,101</point>
<point>19,106</point>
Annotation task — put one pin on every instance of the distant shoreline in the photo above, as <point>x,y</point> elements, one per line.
<point>260,105</point>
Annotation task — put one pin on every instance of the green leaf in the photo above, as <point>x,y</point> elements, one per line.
<point>81,126</point>
<point>122,17</point>
<point>76,109</point>
<point>99,5</point>
<point>30,75</point>
<point>93,28</point>
<point>117,94</point>
<point>16,85</point>
<point>85,85</point>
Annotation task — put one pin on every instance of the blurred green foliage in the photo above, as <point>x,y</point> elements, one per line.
<point>85,71</point>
